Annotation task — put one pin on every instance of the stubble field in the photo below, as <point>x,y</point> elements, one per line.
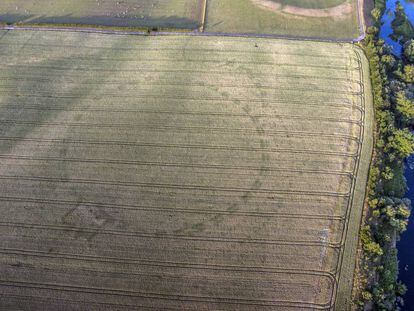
<point>179,172</point>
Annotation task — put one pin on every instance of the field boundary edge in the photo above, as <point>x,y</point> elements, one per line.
<point>200,31</point>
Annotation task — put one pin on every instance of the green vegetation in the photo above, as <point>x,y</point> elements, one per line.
<point>379,9</point>
<point>409,50</point>
<point>249,16</point>
<point>388,209</point>
<point>187,172</point>
<point>181,14</point>
<point>402,28</point>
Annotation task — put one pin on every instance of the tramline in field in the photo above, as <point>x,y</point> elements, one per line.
<point>180,172</point>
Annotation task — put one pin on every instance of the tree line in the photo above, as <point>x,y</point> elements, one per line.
<point>388,211</point>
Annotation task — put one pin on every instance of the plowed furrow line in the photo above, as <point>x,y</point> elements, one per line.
<point>211,100</point>
<point>170,186</point>
<point>181,146</point>
<point>31,298</point>
<point>13,88</point>
<point>196,61</point>
<point>68,76</point>
<point>102,231</point>
<point>186,165</point>
<point>196,129</point>
<point>44,107</point>
<point>174,50</point>
<point>165,82</point>
<point>153,295</point>
<point>166,264</point>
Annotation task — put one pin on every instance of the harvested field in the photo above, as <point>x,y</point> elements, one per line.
<point>179,172</point>
<point>334,19</point>
<point>185,14</point>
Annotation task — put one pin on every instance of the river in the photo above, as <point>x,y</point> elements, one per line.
<point>406,244</point>
<point>386,29</point>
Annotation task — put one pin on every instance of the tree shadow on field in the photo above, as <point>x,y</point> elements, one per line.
<point>45,90</point>
<point>146,22</point>
<point>39,85</point>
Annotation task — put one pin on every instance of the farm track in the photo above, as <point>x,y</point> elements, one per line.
<point>165,209</point>
<point>163,164</point>
<point>122,233</point>
<point>212,100</point>
<point>195,61</point>
<point>197,130</point>
<point>181,146</point>
<point>51,123</point>
<point>156,296</point>
<point>224,85</point>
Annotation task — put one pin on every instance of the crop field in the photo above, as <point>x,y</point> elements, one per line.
<point>126,13</point>
<point>179,172</point>
<point>303,18</point>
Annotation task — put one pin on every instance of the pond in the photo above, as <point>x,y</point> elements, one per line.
<point>406,244</point>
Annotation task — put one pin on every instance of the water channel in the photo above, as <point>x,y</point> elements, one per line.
<point>406,244</point>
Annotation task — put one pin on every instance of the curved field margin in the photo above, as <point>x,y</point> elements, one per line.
<point>179,172</point>
<point>337,11</point>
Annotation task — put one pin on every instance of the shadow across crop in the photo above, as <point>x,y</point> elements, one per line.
<point>97,21</point>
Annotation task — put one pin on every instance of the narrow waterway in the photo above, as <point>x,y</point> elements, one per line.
<point>406,244</point>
